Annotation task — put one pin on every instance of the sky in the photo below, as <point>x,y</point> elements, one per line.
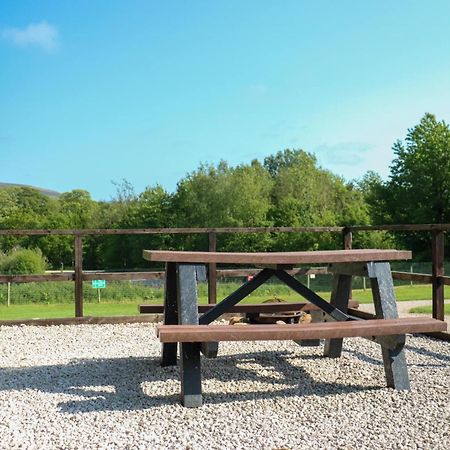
<point>93,92</point>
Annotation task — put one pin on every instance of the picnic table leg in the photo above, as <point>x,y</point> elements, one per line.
<point>394,360</point>
<point>169,350</point>
<point>190,369</point>
<point>340,294</point>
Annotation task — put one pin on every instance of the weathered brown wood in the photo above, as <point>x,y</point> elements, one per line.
<point>101,231</point>
<point>347,242</point>
<point>66,276</point>
<point>104,231</point>
<point>78,276</point>
<point>403,227</point>
<point>324,330</point>
<point>212,270</point>
<point>347,238</point>
<point>248,307</point>
<point>78,321</point>
<point>408,276</point>
<point>360,314</point>
<point>246,272</point>
<point>315,257</point>
<point>118,276</point>
<point>437,252</point>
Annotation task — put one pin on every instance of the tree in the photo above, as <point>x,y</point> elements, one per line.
<point>151,209</point>
<point>418,188</point>
<point>306,195</point>
<point>223,196</point>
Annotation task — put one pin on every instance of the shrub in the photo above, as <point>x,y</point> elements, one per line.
<point>20,261</point>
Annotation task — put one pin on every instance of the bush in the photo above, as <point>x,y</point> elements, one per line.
<point>21,261</point>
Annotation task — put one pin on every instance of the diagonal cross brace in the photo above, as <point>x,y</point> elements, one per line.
<point>234,298</point>
<point>310,295</point>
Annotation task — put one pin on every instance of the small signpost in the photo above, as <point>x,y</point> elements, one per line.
<point>98,284</point>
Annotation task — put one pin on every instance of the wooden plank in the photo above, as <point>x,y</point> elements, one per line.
<point>118,276</point>
<point>212,270</point>
<point>77,321</point>
<point>315,257</point>
<point>403,227</point>
<point>325,330</point>
<point>408,276</point>
<point>297,271</point>
<point>105,231</point>
<point>360,314</point>
<point>66,276</point>
<point>248,307</point>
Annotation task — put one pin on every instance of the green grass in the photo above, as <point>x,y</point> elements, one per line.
<point>428,309</point>
<point>130,307</point>
<point>403,293</point>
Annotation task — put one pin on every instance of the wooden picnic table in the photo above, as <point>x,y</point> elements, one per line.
<point>195,334</point>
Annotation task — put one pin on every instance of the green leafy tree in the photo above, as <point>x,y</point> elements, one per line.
<point>222,196</point>
<point>305,195</point>
<point>150,209</point>
<point>418,189</point>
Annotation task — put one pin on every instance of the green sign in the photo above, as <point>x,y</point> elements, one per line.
<point>98,284</point>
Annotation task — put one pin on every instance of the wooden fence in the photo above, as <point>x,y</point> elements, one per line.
<point>437,278</point>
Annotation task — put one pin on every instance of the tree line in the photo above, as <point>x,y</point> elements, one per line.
<point>288,188</point>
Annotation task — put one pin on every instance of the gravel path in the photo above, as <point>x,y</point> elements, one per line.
<point>101,387</point>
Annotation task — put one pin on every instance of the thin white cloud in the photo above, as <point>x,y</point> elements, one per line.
<point>42,35</point>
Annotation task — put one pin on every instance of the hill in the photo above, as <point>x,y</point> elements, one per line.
<point>47,192</point>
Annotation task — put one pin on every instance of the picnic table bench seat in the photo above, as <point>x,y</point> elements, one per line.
<point>268,307</point>
<point>324,330</point>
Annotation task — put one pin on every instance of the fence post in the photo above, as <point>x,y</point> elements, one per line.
<point>78,276</point>
<point>212,273</point>
<point>347,239</point>
<point>437,252</point>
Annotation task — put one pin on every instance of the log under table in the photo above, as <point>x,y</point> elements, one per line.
<point>183,325</point>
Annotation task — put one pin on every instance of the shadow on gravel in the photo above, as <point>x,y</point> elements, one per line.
<point>435,359</point>
<point>429,353</point>
<point>121,384</point>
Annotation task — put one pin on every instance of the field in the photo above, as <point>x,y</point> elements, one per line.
<point>50,300</point>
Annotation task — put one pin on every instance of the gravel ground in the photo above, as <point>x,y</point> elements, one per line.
<point>101,387</point>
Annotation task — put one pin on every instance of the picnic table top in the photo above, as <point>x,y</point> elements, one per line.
<point>274,258</point>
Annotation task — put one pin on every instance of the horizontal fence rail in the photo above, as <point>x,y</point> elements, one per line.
<point>78,276</point>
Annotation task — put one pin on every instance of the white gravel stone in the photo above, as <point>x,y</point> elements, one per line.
<point>101,387</point>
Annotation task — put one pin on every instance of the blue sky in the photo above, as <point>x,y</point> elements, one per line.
<point>94,91</point>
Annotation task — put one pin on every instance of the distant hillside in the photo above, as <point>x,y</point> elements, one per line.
<point>48,192</point>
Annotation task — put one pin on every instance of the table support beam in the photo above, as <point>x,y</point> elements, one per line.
<point>243,291</point>
<point>340,294</point>
<point>169,350</point>
<point>310,295</point>
<point>394,360</point>
<point>190,368</point>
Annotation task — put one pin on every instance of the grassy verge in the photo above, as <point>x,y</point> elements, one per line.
<point>428,309</point>
<point>130,307</point>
